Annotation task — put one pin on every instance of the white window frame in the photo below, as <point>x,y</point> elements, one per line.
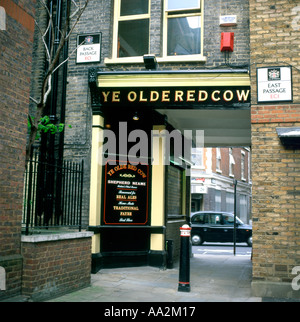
<point>244,208</point>
<point>117,19</point>
<point>231,163</point>
<point>218,160</point>
<point>243,164</point>
<point>139,59</point>
<point>199,152</point>
<point>179,58</point>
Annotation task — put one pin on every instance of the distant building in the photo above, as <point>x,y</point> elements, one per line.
<point>212,178</point>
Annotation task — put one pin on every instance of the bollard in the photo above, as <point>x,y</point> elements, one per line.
<point>184,268</point>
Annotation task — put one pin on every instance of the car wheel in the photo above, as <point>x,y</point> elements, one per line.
<point>249,241</point>
<point>197,240</point>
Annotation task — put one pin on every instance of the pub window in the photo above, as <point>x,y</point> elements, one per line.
<point>182,27</point>
<point>131,30</point>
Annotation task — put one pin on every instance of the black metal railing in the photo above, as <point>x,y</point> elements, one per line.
<point>52,194</point>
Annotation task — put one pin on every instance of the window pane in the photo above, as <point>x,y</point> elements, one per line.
<point>215,219</point>
<point>197,156</point>
<point>186,4</point>
<point>229,202</point>
<point>184,36</point>
<point>133,38</point>
<point>228,220</point>
<point>218,200</point>
<point>200,219</point>
<point>134,7</point>
<point>243,208</point>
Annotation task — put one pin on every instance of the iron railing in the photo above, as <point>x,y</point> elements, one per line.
<point>52,195</point>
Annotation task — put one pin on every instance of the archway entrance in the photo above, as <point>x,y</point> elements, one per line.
<point>206,108</point>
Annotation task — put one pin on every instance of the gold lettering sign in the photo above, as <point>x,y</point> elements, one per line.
<point>182,97</point>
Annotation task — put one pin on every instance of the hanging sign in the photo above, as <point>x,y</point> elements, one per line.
<point>126,194</point>
<point>88,48</point>
<point>274,84</point>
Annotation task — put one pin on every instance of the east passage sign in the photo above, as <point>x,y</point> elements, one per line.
<point>274,84</point>
<point>126,194</point>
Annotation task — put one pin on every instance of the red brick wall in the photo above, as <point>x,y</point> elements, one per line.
<point>20,11</point>
<point>237,155</point>
<point>276,190</point>
<point>275,114</point>
<point>15,71</point>
<point>274,39</point>
<point>55,267</point>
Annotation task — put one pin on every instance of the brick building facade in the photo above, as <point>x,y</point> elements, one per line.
<point>15,66</point>
<point>213,177</point>
<point>81,109</point>
<point>275,34</point>
<point>41,267</point>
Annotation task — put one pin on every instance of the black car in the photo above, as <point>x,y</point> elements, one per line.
<point>212,226</point>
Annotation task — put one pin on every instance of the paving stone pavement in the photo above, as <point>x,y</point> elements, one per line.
<point>213,278</point>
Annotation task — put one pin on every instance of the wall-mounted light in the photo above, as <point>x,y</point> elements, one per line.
<point>150,61</point>
<point>136,116</point>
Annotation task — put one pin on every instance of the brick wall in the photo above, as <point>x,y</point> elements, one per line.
<point>289,113</point>
<point>13,275</point>
<point>237,155</point>
<point>274,37</point>
<point>212,31</point>
<point>15,67</point>
<point>54,267</point>
<point>276,189</point>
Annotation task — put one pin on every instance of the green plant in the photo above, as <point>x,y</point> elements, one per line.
<point>45,125</point>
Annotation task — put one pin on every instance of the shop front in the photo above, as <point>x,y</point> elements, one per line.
<point>143,130</point>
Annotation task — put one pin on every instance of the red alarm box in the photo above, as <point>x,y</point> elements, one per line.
<point>227,40</point>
